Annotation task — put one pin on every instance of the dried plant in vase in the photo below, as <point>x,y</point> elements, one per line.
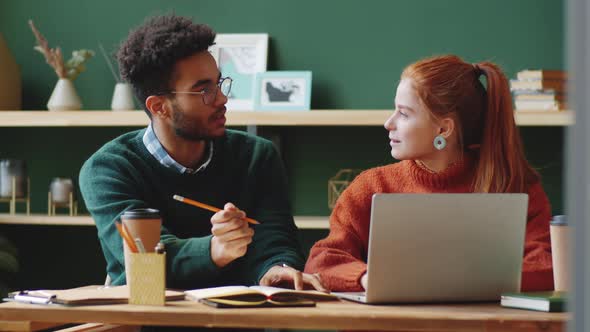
<point>123,99</point>
<point>64,96</point>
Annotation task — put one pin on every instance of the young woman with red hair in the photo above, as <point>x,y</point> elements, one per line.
<point>452,135</point>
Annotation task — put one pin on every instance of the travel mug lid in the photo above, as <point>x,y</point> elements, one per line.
<point>141,214</point>
<point>560,220</point>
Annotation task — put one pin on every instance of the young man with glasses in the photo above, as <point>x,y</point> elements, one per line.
<point>186,150</point>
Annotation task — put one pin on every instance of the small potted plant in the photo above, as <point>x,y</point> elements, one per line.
<point>64,96</point>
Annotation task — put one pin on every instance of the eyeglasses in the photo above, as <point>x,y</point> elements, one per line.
<point>209,93</point>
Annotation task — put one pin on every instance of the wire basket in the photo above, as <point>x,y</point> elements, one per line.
<point>338,183</point>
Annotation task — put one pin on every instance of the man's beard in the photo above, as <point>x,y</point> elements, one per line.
<point>186,129</point>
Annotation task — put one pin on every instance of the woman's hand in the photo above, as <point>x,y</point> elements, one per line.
<point>286,275</point>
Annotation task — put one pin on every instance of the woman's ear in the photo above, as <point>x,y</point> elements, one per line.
<point>447,127</point>
<point>157,106</point>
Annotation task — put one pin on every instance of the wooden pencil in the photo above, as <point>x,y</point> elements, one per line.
<point>207,207</point>
<point>126,237</point>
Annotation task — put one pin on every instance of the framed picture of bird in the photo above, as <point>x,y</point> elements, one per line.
<point>283,90</point>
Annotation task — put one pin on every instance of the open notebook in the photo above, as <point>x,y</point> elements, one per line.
<point>87,295</point>
<point>256,296</point>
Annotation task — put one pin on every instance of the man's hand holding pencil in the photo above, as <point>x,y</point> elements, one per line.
<point>231,235</point>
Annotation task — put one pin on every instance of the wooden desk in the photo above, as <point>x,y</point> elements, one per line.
<point>327,315</point>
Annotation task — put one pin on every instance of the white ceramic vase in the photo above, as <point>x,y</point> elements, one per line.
<point>64,97</point>
<point>123,98</point>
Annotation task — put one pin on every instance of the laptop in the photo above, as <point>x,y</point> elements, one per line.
<point>426,248</point>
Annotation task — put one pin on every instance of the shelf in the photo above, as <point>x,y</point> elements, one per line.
<point>302,222</point>
<point>245,118</point>
<point>43,219</point>
<point>312,222</point>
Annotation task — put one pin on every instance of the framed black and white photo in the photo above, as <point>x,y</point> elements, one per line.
<point>283,90</point>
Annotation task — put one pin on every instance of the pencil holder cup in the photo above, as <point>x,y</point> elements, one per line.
<point>147,278</point>
<point>142,224</point>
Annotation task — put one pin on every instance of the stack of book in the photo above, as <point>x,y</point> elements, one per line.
<point>550,301</point>
<point>539,90</point>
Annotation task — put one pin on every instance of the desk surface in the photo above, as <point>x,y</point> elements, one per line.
<point>327,315</point>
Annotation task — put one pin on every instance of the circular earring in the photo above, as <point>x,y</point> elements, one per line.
<point>440,142</point>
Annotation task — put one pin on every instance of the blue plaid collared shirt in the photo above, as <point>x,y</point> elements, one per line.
<point>154,146</point>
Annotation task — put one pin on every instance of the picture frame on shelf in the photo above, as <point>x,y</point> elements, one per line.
<point>283,91</point>
<point>241,56</point>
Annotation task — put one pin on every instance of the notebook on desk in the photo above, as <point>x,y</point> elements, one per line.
<point>426,248</point>
<point>86,295</point>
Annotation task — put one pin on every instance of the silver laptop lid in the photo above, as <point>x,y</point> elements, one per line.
<point>445,247</point>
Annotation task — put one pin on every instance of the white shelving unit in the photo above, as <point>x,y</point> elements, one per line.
<point>98,118</point>
<point>303,222</point>
<point>246,118</point>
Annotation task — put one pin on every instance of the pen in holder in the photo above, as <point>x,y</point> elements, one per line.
<point>144,269</point>
<point>147,278</point>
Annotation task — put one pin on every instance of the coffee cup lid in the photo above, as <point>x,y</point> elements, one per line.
<point>141,214</point>
<point>559,220</point>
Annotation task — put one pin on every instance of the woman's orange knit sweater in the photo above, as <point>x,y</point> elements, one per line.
<point>341,257</point>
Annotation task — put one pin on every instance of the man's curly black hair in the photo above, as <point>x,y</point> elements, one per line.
<point>147,58</point>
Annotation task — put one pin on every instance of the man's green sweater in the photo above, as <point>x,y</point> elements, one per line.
<point>245,170</point>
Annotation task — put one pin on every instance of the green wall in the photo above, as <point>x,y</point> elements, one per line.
<point>355,49</point>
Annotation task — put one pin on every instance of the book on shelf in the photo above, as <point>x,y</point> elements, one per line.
<point>541,74</point>
<point>550,301</point>
<point>557,85</point>
<point>256,296</point>
<point>86,295</point>
<point>539,105</point>
<point>539,95</point>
